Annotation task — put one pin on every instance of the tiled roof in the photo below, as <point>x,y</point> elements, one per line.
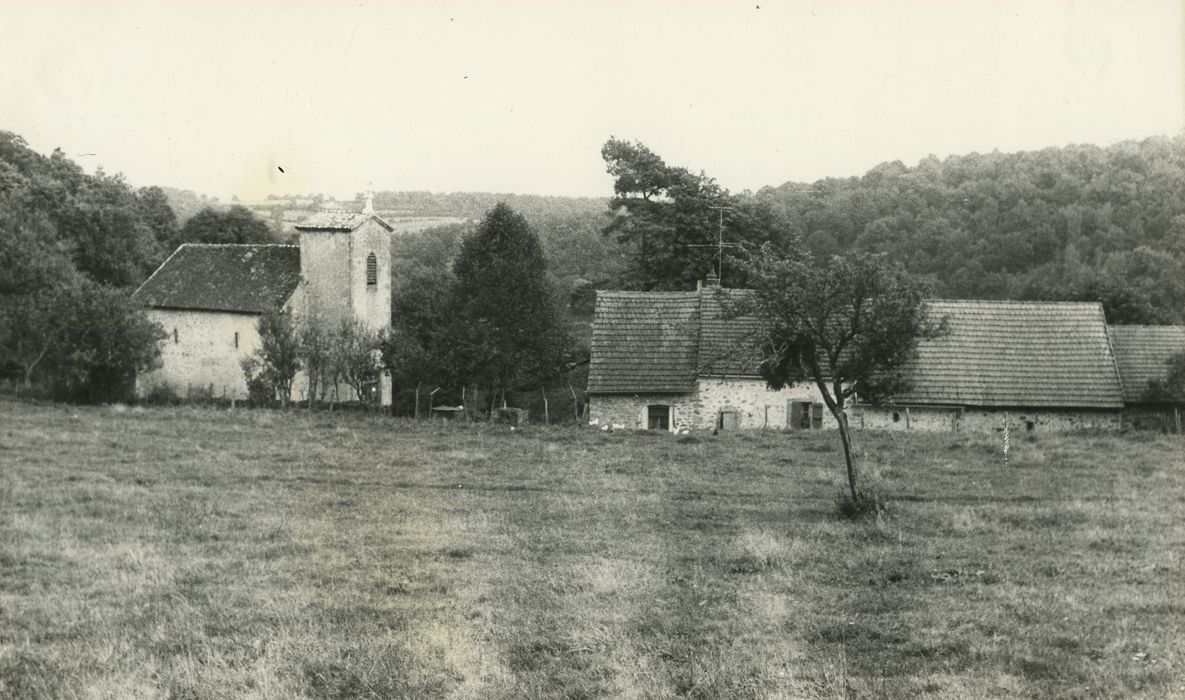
<point>995,354</point>
<point>644,342</point>
<point>338,221</point>
<point>727,346</point>
<point>239,278</point>
<point>1141,352</point>
<point>1016,353</point>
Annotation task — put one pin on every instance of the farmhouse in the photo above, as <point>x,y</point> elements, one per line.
<point>209,299</point>
<point>668,360</point>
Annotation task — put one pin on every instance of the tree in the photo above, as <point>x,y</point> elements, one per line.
<point>506,324</point>
<point>1171,389</point>
<point>235,225</point>
<point>846,323</point>
<point>314,352</point>
<point>275,364</point>
<point>354,355</point>
<point>673,218</point>
<point>158,214</point>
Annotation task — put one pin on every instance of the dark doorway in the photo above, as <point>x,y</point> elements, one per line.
<point>658,417</point>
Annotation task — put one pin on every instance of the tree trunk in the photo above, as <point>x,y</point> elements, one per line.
<point>417,413</point>
<point>842,420</point>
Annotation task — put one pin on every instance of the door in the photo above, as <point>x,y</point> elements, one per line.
<point>729,420</point>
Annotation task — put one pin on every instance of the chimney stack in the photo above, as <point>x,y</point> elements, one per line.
<point>712,280</point>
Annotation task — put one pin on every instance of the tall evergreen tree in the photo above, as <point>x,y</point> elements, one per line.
<point>507,324</point>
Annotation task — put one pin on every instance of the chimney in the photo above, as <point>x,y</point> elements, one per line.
<point>712,280</point>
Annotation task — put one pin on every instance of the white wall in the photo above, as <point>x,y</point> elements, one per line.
<point>757,407</point>
<point>203,357</point>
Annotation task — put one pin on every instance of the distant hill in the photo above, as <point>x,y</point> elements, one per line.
<point>1074,223</point>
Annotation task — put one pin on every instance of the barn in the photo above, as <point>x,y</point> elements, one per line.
<point>671,360</point>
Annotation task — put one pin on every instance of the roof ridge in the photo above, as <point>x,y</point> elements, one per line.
<point>1031,302</point>
<point>234,245</point>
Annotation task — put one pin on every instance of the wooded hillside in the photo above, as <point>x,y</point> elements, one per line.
<point>1073,223</point>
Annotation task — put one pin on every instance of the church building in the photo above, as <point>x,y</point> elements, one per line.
<point>209,299</point>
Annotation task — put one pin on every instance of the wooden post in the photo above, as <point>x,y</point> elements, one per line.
<point>907,417</point>
<point>1005,440</point>
<point>575,403</point>
<point>1177,418</point>
<point>417,414</point>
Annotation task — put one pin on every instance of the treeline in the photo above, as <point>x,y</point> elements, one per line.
<point>1073,223</point>
<point>73,247</point>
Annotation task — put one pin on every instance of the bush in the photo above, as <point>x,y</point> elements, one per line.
<point>872,501</point>
<point>161,395</point>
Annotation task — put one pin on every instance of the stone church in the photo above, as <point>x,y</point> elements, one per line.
<point>209,299</point>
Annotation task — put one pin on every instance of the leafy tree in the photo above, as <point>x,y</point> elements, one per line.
<point>275,364</point>
<point>416,348</point>
<point>158,214</point>
<point>673,219</point>
<point>235,225</point>
<point>314,352</point>
<point>506,327</point>
<point>1171,389</point>
<point>354,355</point>
<point>846,323</point>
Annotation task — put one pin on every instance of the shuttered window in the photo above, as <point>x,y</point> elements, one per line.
<point>372,270</point>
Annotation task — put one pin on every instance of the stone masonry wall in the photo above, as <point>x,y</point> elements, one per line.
<point>984,420</point>
<point>203,356</point>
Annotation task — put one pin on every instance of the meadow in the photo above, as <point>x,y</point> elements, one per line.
<point>206,553</point>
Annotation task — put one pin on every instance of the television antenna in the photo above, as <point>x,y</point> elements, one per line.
<point>719,245</point>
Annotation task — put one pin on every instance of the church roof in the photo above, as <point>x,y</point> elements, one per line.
<point>238,278</point>
<point>1142,352</point>
<point>339,221</point>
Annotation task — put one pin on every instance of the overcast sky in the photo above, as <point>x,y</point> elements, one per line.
<point>519,96</point>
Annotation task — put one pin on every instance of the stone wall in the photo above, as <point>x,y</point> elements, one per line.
<point>753,406</point>
<point>954,419</point>
<point>630,412</point>
<point>325,275</point>
<point>199,356</point>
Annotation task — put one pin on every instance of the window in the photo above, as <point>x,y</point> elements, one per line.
<point>175,338</point>
<point>236,339</point>
<point>372,270</point>
<point>896,417</point>
<point>804,415</point>
<point>658,417</point>
<point>728,419</point>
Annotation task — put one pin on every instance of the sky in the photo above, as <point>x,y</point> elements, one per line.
<point>519,96</point>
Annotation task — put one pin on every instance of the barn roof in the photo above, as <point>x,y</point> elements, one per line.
<point>1141,352</point>
<point>1016,353</point>
<point>644,342</point>
<point>238,278</point>
<point>995,354</point>
<point>338,221</point>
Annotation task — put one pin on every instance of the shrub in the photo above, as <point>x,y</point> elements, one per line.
<point>872,501</point>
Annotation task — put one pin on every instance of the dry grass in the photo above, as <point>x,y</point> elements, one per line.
<point>198,553</point>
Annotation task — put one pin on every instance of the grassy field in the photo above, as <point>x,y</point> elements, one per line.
<point>201,553</point>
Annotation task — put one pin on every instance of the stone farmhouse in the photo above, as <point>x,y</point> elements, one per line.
<point>673,360</point>
<point>209,299</point>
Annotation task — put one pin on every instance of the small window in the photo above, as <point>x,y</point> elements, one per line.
<point>176,339</point>
<point>1029,425</point>
<point>658,417</point>
<point>236,339</point>
<point>896,417</point>
<point>372,270</point>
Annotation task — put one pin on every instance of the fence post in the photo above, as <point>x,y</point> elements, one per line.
<point>1005,440</point>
